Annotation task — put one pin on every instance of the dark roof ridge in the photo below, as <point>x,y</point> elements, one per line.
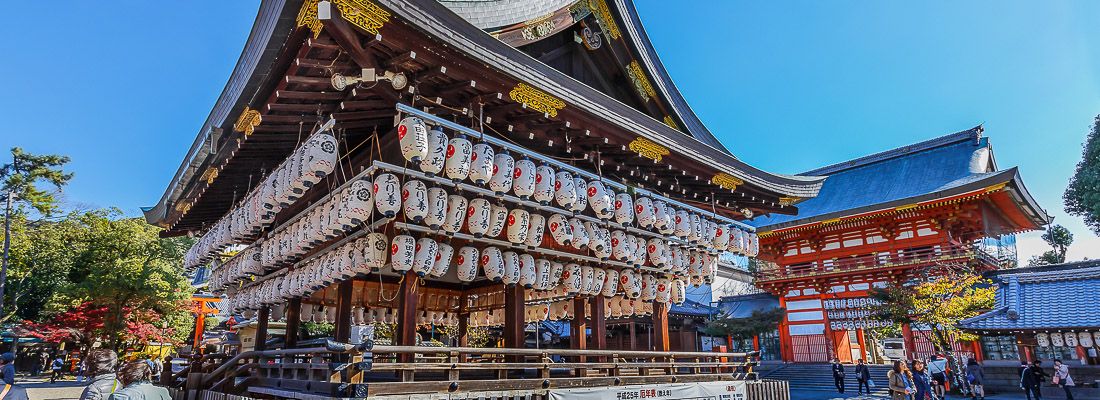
<point>974,133</point>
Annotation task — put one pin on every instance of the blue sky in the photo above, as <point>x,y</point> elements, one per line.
<point>788,86</point>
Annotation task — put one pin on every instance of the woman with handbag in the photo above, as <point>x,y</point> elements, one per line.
<point>1062,378</point>
<point>922,381</point>
<point>901,381</point>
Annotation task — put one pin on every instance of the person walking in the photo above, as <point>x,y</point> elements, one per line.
<point>101,369</point>
<point>1031,379</point>
<point>137,380</point>
<point>976,377</point>
<point>922,381</point>
<point>901,386</point>
<point>863,377</point>
<point>838,375</point>
<point>81,369</point>
<point>8,369</point>
<point>43,362</point>
<point>937,369</point>
<point>55,369</point>
<point>1062,378</point>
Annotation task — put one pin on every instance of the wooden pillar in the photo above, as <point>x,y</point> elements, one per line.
<point>786,353</point>
<point>578,331</point>
<point>862,344</point>
<point>343,311</point>
<point>910,344</point>
<point>407,297</point>
<point>755,343</point>
<point>513,320</point>
<point>293,321</point>
<point>660,326</point>
<point>599,325</point>
<point>261,328</point>
<point>463,325</point>
<point>633,339</point>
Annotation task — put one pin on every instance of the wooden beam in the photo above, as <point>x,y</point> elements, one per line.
<point>344,34</point>
<point>578,331</point>
<point>293,321</point>
<point>343,311</point>
<point>406,313</point>
<point>599,324</point>
<point>660,326</point>
<point>261,328</point>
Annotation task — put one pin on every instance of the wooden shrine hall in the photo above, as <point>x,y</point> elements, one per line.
<point>918,211</point>
<point>465,165</point>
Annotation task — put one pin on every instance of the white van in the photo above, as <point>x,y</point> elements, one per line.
<point>894,348</point>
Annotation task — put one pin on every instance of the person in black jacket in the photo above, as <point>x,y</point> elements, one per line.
<point>1031,379</point>
<point>838,375</point>
<point>863,377</point>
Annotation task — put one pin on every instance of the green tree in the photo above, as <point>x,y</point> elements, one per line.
<point>1082,196</point>
<point>21,178</point>
<point>760,322</point>
<point>41,257</point>
<point>937,304</point>
<point>1059,238</point>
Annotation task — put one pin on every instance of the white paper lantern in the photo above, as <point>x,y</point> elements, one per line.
<point>695,231</point>
<point>629,283</point>
<point>457,165</point>
<point>649,287</point>
<point>481,163</point>
<point>413,137</point>
<point>1042,339</point>
<point>683,224</point>
<point>360,203</point>
<point>402,252</point>
<point>456,213</point>
<point>580,234</point>
<point>498,217</point>
<point>467,264</point>
<point>664,290</point>
<point>638,245</point>
<point>557,270</point>
<point>437,208</point>
<point>1085,339</point>
<point>492,263</point>
<point>542,274</point>
<point>503,168</point>
<point>518,222</point>
<point>527,274</point>
<point>565,192</point>
<point>588,275</point>
<point>544,184</point>
<point>599,276</point>
<point>610,283</point>
<point>645,212</point>
<point>375,251</point>
<point>387,200</point>
<point>581,197</point>
<point>511,268</point>
<point>572,278</point>
<point>414,197</point>
<point>721,237</point>
<point>560,230</point>
<point>655,250</point>
<point>477,217</point>
<point>619,247</point>
<point>1070,338</point>
<point>679,292</point>
<point>616,306</point>
<point>624,209</point>
<point>661,219</point>
<point>523,178</point>
<point>599,199</point>
<point>442,260</point>
<point>436,156</point>
<point>535,230</point>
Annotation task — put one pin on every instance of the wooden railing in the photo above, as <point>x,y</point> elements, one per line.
<point>768,271</point>
<point>342,370</point>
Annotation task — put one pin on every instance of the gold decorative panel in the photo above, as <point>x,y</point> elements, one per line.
<point>361,13</point>
<point>726,181</point>
<point>248,121</point>
<point>640,81</point>
<point>536,99</point>
<point>210,175</point>
<point>648,149</point>
<point>671,122</point>
<point>603,15</point>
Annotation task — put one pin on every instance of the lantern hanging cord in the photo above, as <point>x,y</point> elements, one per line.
<point>382,289</point>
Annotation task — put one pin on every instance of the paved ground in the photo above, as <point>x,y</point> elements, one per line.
<point>42,389</point>
<point>820,395</point>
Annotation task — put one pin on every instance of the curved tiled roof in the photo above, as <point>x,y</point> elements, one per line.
<point>935,168</point>
<point>1060,296</point>
<point>489,14</point>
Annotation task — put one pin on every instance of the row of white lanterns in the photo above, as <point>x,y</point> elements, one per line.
<point>1068,339</point>
<point>306,166</point>
<point>434,153</point>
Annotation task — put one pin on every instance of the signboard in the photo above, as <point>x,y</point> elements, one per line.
<point>724,390</point>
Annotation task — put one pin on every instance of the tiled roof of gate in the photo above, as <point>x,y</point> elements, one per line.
<point>1057,296</point>
<point>487,14</point>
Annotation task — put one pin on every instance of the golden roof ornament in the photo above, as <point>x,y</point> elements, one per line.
<point>248,121</point>
<point>726,181</point>
<point>536,99</point>
<point>648,149</point>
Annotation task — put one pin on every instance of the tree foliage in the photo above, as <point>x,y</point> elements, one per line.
<point>761,321</point>
<point>1059,238</point>
<point>1082,196</point>
<point>938,304</point>
<point>23,175</point>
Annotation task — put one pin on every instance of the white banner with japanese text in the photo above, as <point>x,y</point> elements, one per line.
<point>725,390</point>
